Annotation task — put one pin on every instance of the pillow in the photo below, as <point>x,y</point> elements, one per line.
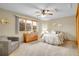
<point>53,32</point>
<point>42,37</point>
<point>45,37</point>
<point>44,32</point>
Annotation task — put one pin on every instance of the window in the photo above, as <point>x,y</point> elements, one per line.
<point>34,26</point>
<point>21,24</point>
<point>27,25</point>
<point>44,27</point>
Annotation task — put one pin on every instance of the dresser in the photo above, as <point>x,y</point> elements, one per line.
<point>29,37</point>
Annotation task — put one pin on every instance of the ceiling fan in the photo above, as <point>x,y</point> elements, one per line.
<point>47,12</point>
<point>43,11</point>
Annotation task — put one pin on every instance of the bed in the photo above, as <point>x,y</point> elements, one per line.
<point>53,38</point>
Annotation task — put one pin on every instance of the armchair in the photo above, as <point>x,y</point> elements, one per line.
<point>8,45</point>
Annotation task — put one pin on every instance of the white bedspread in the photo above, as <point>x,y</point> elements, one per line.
<point>52,38</point>
<point>42,49</point>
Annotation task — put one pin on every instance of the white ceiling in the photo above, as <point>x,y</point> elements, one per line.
<point>63,9</point>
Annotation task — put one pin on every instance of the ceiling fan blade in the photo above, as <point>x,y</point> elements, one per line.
<point>59,10</point>
<point>49,13</point>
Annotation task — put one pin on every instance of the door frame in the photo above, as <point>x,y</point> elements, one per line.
<point>77,26</point>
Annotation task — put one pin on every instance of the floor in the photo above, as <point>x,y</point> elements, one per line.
<point>67,44</point>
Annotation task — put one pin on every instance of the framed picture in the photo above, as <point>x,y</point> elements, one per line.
<point>28,27</point>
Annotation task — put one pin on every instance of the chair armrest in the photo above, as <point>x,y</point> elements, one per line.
<point>4,47</point>
<point>5,43</point>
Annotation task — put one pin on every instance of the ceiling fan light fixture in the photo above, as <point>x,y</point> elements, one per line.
<point>43,16</point>
<point>45,12</point>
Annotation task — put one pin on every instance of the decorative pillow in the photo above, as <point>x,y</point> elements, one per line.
<point>44,32</point>
<point>53,32</point>
<point>42,37</point>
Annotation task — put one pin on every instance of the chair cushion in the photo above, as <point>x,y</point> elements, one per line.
<point>14,45</point>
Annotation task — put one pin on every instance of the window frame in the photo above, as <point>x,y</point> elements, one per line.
<point>25,24</point>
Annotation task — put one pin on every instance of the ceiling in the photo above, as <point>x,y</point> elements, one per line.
<point>63,9</point>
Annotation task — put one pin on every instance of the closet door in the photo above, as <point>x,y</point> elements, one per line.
<point>77,25</point>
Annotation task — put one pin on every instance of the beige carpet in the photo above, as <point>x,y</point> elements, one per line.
<point>70,44</point>
<point>43,49</point>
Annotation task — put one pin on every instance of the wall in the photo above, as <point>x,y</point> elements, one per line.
<point>7,29</point>
<point>68,26</point>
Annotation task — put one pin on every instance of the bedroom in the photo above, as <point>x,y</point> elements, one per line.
<point>45,22</point>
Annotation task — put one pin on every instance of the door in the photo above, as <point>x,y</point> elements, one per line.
<point>77,25</point>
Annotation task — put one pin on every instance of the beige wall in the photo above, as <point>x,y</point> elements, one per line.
<point>68,26</point>
<point>9,29</point>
